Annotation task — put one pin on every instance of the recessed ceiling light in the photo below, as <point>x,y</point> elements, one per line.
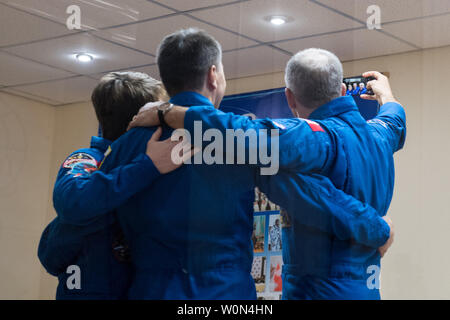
<point>84,57</point>
<point>278,20</point>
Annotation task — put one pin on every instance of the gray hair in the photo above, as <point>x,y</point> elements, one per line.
<point>315,77</point>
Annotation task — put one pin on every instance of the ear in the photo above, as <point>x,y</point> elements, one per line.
<point>343,89</point>
<point>292,102</point>
<point>211,80</point>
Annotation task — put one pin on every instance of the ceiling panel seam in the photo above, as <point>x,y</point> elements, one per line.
<point>186,13</point>
<point>108,27</point>
<point>31,96</point>
<point>271,44</point>
<point>363,23</point>
<point>43,81</point>
<point>38,62</point>
<point>222,28</point>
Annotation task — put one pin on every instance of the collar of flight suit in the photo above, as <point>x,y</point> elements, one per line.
<point>334,108</point>
<point>100,143</point>
<point>190,99</point>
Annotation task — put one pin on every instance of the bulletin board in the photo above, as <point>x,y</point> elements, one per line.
<point>266,237</point>
<point>267,247</point>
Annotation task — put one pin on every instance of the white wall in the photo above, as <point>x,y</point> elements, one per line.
<point>26,142</point>
<point>74,126</point>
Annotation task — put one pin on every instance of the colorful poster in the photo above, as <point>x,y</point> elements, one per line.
<point>267,246</point>
<point>258,235</point>
<point>259,273</point>
<point>275,233</point>
<point>275,282</point>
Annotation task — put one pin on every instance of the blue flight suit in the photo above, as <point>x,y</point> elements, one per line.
<point>355,91</point>
<point>190,233</point>
<point>86,229</point>
<point>358,158</point>
<point>362,91</point>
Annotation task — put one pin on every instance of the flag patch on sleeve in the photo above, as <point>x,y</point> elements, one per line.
<point>315,127</point>
<point>279,125</point>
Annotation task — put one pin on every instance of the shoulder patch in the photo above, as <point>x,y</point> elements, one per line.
<point>315,127</point>
<point>279,125</point>
<point>80,157</point>
<point>82,169</point>
<point>106,154</point>
<point>373,121</point>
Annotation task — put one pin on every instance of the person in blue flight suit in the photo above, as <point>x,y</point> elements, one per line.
<point>190,234</point>
<point>355,90</point>
<point>328,137</point>
<point>85,232</point>
<point>362,89</point>
<point>349,90</point>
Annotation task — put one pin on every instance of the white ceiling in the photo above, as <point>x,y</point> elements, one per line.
<point>37,50</point>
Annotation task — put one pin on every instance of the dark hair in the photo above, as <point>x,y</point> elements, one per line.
<point>184,59</point>
<point>118,98</point>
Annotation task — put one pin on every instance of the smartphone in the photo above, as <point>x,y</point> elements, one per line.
<point>358,80</point>
<point>368,108</point>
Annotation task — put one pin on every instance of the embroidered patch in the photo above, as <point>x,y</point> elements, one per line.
<point>107,153</point>
<point>79,158</point>
<point>279,125</point>
<point>82,169</point>
<point>373,121</point>
<point>315,127</point>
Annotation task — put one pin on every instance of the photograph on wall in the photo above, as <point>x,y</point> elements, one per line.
<point>262,202</point>
<point>275,282</point>
<point>259,273</point>
<point>275,232</point>
<point>257,202</point>
<point>269,296</point>
<point>259,226</point>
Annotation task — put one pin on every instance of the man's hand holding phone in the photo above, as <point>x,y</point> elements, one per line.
<point>380,87</point>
